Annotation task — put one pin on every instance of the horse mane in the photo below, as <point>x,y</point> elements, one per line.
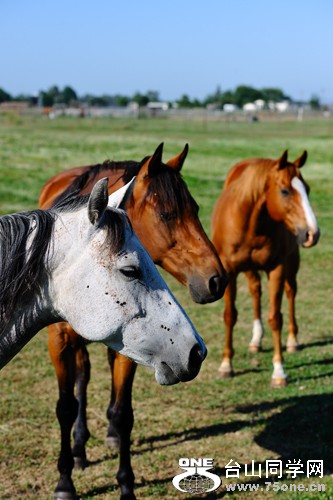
<point>128,170</point>
<point>21,268</point>
<point>173,195</point>
<point>248,179</point>
<point>25,244</point>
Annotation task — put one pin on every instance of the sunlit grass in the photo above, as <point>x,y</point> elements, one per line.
<point>242,418</point>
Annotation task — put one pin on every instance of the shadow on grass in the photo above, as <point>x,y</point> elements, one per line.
<point>300,428</point>
<point>318,343</point>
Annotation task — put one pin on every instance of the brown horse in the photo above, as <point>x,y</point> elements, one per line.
<point>260,218</point>
<point>165,217</point>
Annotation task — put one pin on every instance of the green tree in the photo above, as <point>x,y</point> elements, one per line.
<point>184,102</point>
<point>244,94</point>
<point>68,95</point>
<point>4,96</point>
<point>314,102</point>
<point>46,99</point>
<point>273,94</point>
<point>140,99</point>
<point>121,100</point>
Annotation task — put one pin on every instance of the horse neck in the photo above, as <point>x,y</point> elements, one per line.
<point>31,315</point>
<point>29,310</point>
<point>250,199</point>
<point>118,174</point>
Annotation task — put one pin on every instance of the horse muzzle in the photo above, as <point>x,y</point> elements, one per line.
<point>308,238</point>
<point>205,291</point>
<point>171,374</point>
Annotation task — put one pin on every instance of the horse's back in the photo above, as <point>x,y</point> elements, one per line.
<point>86,176</point>
<point>241,168</point>
<point>58,184</point>
<point>228,201</point>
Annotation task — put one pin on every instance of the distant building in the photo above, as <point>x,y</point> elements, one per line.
<point>230,108</point>
<point>281,106</point>
<point>250,107</point>
<point>158,106</point>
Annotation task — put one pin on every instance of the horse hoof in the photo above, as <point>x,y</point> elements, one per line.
<point>112,442</point>
<point>80,463</point>
<point>255,348</point>
<point>226,374</point>
<point>64,495</point>
<point>292,348</point>
<point>278,382</point>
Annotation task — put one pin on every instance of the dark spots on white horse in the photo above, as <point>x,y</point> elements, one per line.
<point>87,286</point>
<point>165,328</point>
<point>170,303</point>
<point>122,304</point>
<point>106,293</point>
<point>172,342</point>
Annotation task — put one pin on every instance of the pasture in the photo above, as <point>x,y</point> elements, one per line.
<point>242,418</point>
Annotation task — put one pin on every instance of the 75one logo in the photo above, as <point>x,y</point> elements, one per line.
<point>196,479</point>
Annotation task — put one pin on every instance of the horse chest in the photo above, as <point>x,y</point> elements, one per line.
<point>265,257</point>
<point>263,254</point>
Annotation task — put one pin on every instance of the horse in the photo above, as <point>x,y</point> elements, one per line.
<point>259,221</point>
<point>165,217</point>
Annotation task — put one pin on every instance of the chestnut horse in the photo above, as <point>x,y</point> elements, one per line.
<point>260,218</point>
<point>165,217</point>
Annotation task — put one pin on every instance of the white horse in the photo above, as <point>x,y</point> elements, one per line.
<point>81,262</point>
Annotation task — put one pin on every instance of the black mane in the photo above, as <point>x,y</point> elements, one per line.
<point>173,196</point>
<point>20,269</point>
<point>128,170</point>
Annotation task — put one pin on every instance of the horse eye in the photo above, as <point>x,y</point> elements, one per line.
<point>285,192</point>
<point>130,272</point>
<point>167,216</point>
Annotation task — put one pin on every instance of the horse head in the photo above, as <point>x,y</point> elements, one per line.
<point>108,288</point>
<point>287,199</point>
<point>165,216</point>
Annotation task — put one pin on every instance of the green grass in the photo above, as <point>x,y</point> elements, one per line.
<point>243,418</point>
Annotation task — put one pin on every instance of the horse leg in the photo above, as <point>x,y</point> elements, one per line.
<point>63,359</point>
<point>81,431</point>
<point>254,283</point>
<point>121,419</point>
<point>275,291</point>
<point>290,286</point>
<point>230,318</point>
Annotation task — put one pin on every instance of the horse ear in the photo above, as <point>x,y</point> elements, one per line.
<point>299,162</point>
<point>178,161</point>
<point>98,201</point>
<point>154,163</point>
<point>119,198</point>
<point>283,160</point>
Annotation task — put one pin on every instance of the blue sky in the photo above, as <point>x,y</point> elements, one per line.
<point>174,47</point>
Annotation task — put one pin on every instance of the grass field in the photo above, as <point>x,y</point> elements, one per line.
<point>243,418</point>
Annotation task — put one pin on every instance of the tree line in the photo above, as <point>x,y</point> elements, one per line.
<point>68,96</point>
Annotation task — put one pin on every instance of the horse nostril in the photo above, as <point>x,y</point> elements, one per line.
<point>217,286</point>
<point>197,355</point>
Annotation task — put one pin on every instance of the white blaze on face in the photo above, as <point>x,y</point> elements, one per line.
<point>310,217</point>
